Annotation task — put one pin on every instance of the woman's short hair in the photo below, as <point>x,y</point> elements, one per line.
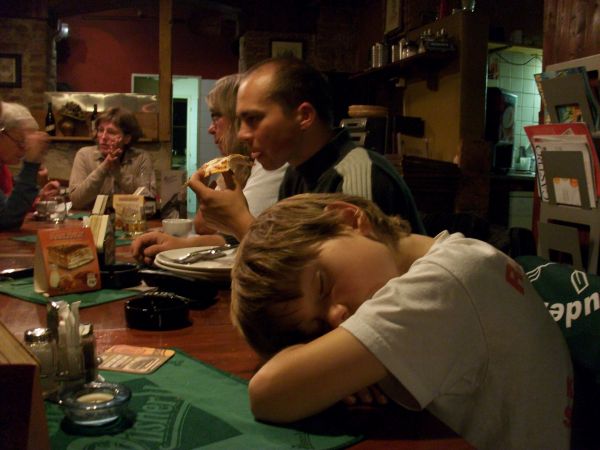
<point>280,244</point>
<point>15,115</point>
<point>125,120</point>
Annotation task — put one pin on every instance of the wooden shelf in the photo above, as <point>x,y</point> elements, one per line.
<point>501,46</point>
<point>420,66</point>
<point>87,139</point>
<point>70,139</point>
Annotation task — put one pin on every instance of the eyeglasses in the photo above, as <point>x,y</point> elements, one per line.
<point>18,142</point>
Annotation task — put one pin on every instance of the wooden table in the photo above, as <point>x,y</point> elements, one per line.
<point>212,339</point>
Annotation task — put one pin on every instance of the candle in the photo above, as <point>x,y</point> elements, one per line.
<point>95,397</point>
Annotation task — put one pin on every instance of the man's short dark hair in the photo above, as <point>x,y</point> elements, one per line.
<point>294,82</point>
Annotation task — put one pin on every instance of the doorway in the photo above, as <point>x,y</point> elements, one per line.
<point>191,144</point>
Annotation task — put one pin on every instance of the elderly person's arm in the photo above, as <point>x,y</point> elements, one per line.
<point>14,208</point>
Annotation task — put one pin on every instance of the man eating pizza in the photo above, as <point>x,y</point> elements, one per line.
<point>285,112</point>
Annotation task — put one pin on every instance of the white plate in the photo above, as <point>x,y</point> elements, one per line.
<point>218,275</point>
<point>223,264</point>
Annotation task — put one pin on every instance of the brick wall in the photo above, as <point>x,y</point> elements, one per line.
<point>335,32</point>
<point>32,39</point>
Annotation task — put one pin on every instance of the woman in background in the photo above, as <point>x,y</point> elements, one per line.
<point>20,139</point>
<point>113,165</point>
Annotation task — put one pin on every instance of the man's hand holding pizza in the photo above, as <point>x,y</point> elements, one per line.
<point>225,210</point>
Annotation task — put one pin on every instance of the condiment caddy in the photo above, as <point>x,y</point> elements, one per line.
<point>66,350</point>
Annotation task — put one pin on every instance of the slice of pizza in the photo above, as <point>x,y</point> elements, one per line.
<point>234,162</point>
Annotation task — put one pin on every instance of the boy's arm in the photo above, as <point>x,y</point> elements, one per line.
<point>305,379</point>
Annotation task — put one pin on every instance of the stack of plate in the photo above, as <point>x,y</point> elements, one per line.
<point>216,269</point>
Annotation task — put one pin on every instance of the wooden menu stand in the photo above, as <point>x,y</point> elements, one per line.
<point>22,416</point>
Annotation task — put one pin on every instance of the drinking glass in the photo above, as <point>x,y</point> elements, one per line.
<point>134,221</point>
<point>57,208</point>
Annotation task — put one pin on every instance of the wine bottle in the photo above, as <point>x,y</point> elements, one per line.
<point>50,122</point>
<point>93,118</point>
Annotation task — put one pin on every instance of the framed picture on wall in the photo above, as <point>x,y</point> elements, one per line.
<point>287,48</point>
<point>393,16</point>
<point>10,70</point>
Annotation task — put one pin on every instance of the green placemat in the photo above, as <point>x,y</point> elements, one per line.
<point>32,238</point>
<point>78,215</point>
<point>187,404</point>
<point>23,289</point>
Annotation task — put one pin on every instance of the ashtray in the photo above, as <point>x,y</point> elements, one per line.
<point>198,294</point>
<point>157,311</point>
<point>120,276</point>
<point>96,403</point>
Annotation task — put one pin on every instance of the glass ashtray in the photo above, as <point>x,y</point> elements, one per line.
<point>95,403</point>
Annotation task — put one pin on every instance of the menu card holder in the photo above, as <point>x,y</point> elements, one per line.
<point>65,261</point>
<point>104,238</point>
<point>22,417</point>
<point>100,204</point>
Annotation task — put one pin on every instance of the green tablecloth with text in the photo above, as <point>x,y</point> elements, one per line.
<point>23,288</point>
<point>187,404</point>
<point>119,241</point>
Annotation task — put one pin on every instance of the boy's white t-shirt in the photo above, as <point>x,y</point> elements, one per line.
<point>465,332</point>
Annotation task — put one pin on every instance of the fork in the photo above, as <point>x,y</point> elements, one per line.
<point>203,255</point>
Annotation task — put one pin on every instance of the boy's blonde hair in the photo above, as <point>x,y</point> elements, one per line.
<point>280,244</point>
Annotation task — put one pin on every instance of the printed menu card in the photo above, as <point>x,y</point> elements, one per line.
<point>65,261</point>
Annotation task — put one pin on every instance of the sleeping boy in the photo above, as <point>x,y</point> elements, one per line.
<point>338,296</point>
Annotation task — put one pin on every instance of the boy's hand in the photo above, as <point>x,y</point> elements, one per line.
<point>371,395</point>
<point>225,210</point>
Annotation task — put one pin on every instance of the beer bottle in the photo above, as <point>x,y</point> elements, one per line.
<point>50,122</point>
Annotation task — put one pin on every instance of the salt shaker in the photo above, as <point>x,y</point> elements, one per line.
<point>41,343</point>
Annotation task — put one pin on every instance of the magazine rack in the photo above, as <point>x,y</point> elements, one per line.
<point>554,238</point>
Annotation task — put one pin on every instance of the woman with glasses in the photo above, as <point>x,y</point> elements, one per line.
<point>113,165</point>
<point>20,140</point>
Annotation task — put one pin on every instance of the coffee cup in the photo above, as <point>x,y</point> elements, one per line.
<point>177,227</point>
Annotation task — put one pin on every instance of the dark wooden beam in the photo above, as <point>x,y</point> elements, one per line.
<point>165,85</point>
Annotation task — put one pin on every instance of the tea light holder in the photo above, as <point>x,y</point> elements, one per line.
<point>96,403</point>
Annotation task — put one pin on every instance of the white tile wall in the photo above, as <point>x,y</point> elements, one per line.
<point>515,73</point>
